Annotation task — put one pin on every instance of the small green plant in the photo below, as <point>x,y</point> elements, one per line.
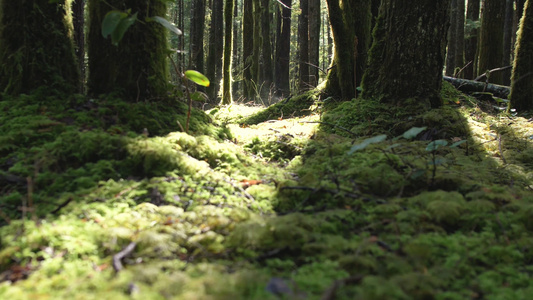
<point>115,25</point>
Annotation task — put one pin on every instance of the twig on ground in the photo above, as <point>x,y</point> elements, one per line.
<point>117,263</point>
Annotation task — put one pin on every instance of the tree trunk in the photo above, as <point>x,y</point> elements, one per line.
<point>350,24</point>
<point>196,52</point>
<point>216,46</point>
<point>522,80</point>
<point>314,41</point>
<point>283,48</point>
<point>268,72</point>
<point>256,42</point>
<point>452,40</point>
<point>236,61</point>
<point>471,86</point>
<point>460,35</point>
<point>35,47</point>
<point>78,18</point>
<point>491,40</point>
<point>303,53</point>
<point>137,69</point>
<point>248,49</point>
<point>472,15</point>
<point>408,53</point>
<point>507,38</point>
<point>228,40</point>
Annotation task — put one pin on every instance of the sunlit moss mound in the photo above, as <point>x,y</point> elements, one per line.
<point>291,107</point>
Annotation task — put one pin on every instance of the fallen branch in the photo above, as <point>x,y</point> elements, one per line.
<point>117,263</point>
<point>471,86</point>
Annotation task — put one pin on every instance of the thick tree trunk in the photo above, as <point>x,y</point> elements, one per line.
<point>507,38</point>
<point>78,18</point>
<point>314,41</point>
<point>452,40</point>
<point>522,80</point>
<point>36,47</point>
<point>350,25</point>
<point>408,53</point>
<point>303,44</point>
<point>268,70</point>
<point>491,40</point>
<point>196,52</point>
<point>216,46</point>
<point>228,41</point>
<point>472,15</point>
<point>248,49</point>
<point>137,68</point>
<point>283,48</point>
<point>460,35</point>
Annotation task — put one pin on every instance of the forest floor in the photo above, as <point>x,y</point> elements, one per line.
<point>101,199</point>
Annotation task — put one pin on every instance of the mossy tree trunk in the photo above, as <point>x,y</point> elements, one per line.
<point>256,42</point>
<point>283,49</point>
<point>248,49</point>
<point>216,50</point>
<point>491,39</point>
<point>137,68</point>
<point>350,23</point>
<point>522,80</point>
<point>36,47</point>
<point>267,74</point>
<point>314,41</point>
<point>408,53</point>
<point>228,41</point>
<point>78,16</point>
<point>303,44</point>
<point>472,14</point>
<point>452,40</point>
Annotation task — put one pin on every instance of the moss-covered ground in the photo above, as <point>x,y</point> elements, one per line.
<point>101,199</point>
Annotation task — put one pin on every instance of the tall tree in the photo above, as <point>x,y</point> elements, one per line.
<point>350,25</point>
<point>460,34</point>
<point>248,49</point>
<point>216,49</point>
<point>283,48</point>
<point>315,21</point>
<point>256,42</point>
<point>491,39</point>
<point>452,40</point>
<point>522,80</point>
<point>472,15</point>
<point>35,46</point>
<point>266,46</point>
<point>507,40</point>
<point>137,67</point>
<point>228,41</point>
<point>196,49</point>
<point>236,61</point>
<point>408,53</point>
<point>303,44</point>
<point>78,18</point>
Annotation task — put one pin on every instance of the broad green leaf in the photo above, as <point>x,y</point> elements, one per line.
<point>457,143</point>
<point>365,143</point>
<point>413,132</point>
<point>197,77</point>
<point>110,22</point>
<point>435,145</point>
<point>121,28</point>
<point>166,24</point>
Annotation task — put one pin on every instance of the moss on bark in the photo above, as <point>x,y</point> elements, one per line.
<point>408,53</point>
<point>137,68</point>
<point>522,81</point>
<point>36,47</point>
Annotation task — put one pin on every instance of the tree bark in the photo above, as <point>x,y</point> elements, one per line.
<point>283,48</point>
<point>471,86</point>
<point>491,40</point>
<point>452,40</point>
<point>268,72</point>
<point>408,53</point>
<point>248,49</point>
<point>522,80</point>
<point>472,15</point>
<point>314,41</point>
<point>303,53</point>
<point>507,38</point>
<point>35,47</point>
<point>216,46</point>
<point>78,18</point>
<point>228,41</point>
<point>196,52</point>
<point>136,69</point>
<point>460,35</point>
<point>350,24</point>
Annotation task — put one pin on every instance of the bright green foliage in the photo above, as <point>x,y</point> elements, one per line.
<point>197,77</point>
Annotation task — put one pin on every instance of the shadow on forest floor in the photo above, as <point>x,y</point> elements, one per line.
<point>288,206</point>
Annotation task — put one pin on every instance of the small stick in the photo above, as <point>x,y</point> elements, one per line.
<point>117,264</point>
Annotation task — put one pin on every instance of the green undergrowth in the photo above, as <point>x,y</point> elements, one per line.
<point>308,207</point>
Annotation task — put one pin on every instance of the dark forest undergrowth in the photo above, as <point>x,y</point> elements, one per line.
<point>293,202</point>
